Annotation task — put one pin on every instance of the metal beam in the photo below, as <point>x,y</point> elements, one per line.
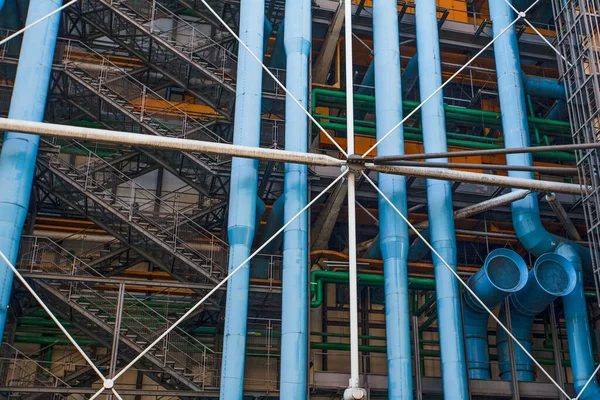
<point>162,142</point>
<point>323,227</point>
<point>323,63</point>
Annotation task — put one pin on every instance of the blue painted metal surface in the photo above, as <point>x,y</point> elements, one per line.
<point>439,203</point>
<point>19,151</point>
<point>274,223</point>
<point>242,198</point>
<point>294,320</point>
<point>278,54</point>
<point>525,213</point>
<point>410,75</point>
<point>504,272</point>
<point>552,276</point>
<point>543,87</point>
<point>578,330</point>
<point>393,231</point>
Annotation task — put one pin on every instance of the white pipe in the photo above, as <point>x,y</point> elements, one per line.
<point>167,143</point>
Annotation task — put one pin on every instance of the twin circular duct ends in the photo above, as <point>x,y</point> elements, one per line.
<point>505,274</point>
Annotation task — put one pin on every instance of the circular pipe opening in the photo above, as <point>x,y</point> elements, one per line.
<point>506,270</point>
<point>554,274</point>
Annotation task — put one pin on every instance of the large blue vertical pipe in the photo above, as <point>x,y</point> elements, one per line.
<point>525,213</point>
<point>552,276</point>
<point>439,203</point>
<point>504,272</point>
<point>294,307</point>
<point>242,197</point>
<point>526,217</point>
<point>578,329</point>
<point>19,151</point>
<point>393,232</point>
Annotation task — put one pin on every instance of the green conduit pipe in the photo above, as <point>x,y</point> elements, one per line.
<point>480,114</point>
<point>252,353</point>
<point>318,277</point>
<point>553,156</point>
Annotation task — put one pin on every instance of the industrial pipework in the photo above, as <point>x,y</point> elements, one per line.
<point>578,329</point>
<point>526,217</point>
<point>294,309</point>
<point>439,205</point>
<point>504,272</point>
<point>19,151</point>
<point>242,197</point>
<point>551,277</point>
<point>393,231</point>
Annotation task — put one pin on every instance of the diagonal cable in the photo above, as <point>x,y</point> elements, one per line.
<point>463,283</point>
<point>268,71</point>
<point>227,278</point>
<point>523,15</point>
<point>547,42</point>
<point>98,393</point>
<point>52,316</point>
<point>587,383</point>
<point>480,52</point>
<point>34,23</point>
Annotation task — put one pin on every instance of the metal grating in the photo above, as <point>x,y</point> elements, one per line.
<point>578,39</point>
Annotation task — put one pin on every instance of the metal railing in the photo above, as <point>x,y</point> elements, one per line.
<point>134,201</point>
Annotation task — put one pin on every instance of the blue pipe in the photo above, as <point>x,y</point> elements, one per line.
<point>525,213</point>
<point>410,75</point>
<point>526,216</point>
<point>552,276</point>
<point>278,54</point>
<point>19,151</point>
<point>274,223</point>
<point>504,272</point>
<point>366,87</point>
<point>393,231</point>
<point>294,308</point>
<point>559,112</point>
<point>543,87</point>
<point>242,197</point>
<point>578,329</point>
<point>439,203</point>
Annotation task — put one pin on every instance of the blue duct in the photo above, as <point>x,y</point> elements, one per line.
<point>278,54</point>
<point>242,197</point>
<point>439,203</point>
<point>504,272</point>
<point>552,276</point>
<point>366,87</point>
<point>578,329</point>
<point>525,213</point>
<point>543,87</point>
<point>393,232</point>
<point>559,112</point>
<point>19,151</point>
<point>410,75</point>
<point>526,216</point>
<point>274,223</point>
<point>294,308</point>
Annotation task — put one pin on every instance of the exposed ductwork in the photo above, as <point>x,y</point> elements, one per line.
<point>504,272</point>
<point>294,325</point>
<point>439,204</point>
<point>243,197</point>
<point>19,151</point>
<point>393,232</point>
<point>551,277</point>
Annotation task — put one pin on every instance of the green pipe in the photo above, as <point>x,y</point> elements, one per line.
<point>41,322</point>
<point>495,116</point>
<point>424,353</point>
<point>317,278</point>
<point>553,156</point>
<point>52,340</point>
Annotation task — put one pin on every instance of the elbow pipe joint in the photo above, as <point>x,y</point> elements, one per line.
<point>552,276</point>
<point>504,272</point>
